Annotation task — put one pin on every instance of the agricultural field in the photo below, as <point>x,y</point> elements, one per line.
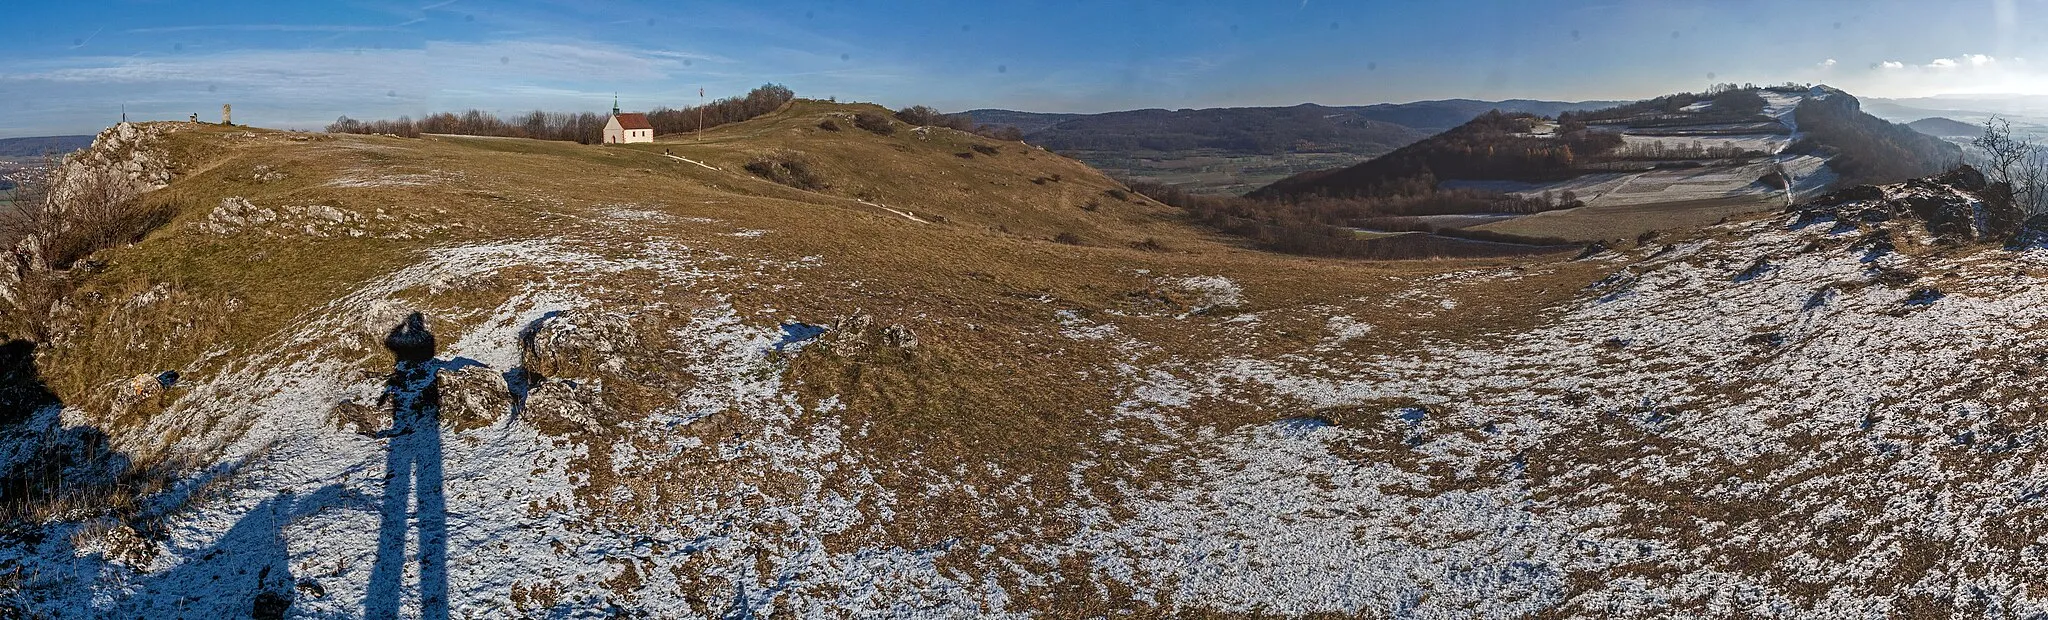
<point>1211,172</point>
<point>1689,187</point>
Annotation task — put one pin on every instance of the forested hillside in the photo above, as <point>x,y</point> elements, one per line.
<point>1866,149</point>
<point>1493,146</point>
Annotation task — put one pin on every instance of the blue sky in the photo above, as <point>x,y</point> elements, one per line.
<point>301,64</point>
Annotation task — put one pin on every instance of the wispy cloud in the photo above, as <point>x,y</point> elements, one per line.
<point>259,28</point>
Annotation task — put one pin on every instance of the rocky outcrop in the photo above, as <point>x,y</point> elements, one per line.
<point>859,337</point>
<point>577,344</point>
<point>127,152</point>
<point>1959,205</point>
<point>473,397</point>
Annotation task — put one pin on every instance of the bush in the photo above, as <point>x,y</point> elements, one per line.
<point>924,116</point>
<point>787,168</point>
<point>874,122</point>
<point>829,125</point>
<point>1067,238</point>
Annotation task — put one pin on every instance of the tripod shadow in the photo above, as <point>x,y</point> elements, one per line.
<point>412,473</point>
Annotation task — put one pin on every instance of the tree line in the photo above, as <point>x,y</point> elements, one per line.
<point>583,127</point>
<point>1730,103</point>
<point>762,100</point>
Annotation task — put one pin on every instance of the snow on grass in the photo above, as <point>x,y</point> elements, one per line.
<point>364,178</point>
<point>1212,292</point>
<point>1074,325</point>
<point>308,509</point>
<point>1279,521</point>
<point>1645,413</point>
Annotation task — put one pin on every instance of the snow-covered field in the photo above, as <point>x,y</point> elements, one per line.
<point>1768,143</point>
<point>1810,175</point>
<point>1642,188</point>
<point>1746,426</point>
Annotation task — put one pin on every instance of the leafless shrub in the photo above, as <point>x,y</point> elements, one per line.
<point>874,122</point>
<point>787,168</point>
<point>2017,162</point>
<point>925,116</point>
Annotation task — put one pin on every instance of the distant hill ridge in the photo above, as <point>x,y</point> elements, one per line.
<point>1829,124</point>
<point>1945,127</point>
<point>42,145</point>
<point>1306,127</point>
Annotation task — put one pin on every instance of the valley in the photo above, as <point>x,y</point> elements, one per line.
<point>1237,150</point>
<point>1668,163</point>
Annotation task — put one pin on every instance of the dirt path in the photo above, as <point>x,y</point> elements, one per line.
<point>705,165</point>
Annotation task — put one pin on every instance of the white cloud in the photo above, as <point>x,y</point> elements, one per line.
<point>1827,63</point>
<point>1959,74</point>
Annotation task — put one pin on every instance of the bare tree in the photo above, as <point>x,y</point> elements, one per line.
<point>2016,162</point>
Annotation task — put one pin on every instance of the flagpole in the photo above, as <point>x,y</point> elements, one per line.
<point>700,115</point>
